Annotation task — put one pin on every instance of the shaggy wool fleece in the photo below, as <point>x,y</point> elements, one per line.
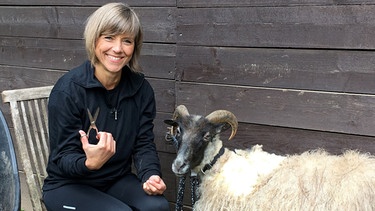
<point>310,181</point>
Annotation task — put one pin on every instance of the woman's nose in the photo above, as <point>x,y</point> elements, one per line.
<point>116,47</point>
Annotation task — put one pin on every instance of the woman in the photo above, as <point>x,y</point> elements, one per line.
<point>94,171</point>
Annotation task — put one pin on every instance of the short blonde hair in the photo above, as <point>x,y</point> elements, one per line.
<point>113,19</point>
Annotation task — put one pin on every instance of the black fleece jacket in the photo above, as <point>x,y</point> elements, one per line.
<point>129,119</point>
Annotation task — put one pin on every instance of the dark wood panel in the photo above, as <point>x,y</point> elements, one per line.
<point>88,2</point>
<point>329,70</point>
<point>283,141</point>
<point>158,60</point>
<point>159,24</point>
<point>347,27</point>
<point>52,22</point>
<point>25,77</point>
<point>169,178</point>
<point>325,111</point>
<point>68,22</point>
<point>41,53</point>
<point>245,3</point>
<point>164,94</point>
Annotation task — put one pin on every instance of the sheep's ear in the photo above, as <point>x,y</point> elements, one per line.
<point>171,122</point>
<point>222,127</point>
<point>172,130</point>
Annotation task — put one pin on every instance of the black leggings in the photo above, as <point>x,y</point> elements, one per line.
<point>126,195</point>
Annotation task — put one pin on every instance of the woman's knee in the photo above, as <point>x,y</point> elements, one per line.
<point>158,203</point>
<point>81,197</point>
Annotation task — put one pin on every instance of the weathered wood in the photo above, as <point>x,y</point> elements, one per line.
<point>164,94</point>
<point>159,60</point>
<point>168,176</point>
<point>325,111</point>
<point>334,70</point>
<point>12,77</point>
<point>132,3</point>
<point>25,94</point>
<point>316,27</point>
<point>41,53</point>
<point>159,23</point>
<point>68,22</point>
<point>244,3</point>
<point>284,141</point>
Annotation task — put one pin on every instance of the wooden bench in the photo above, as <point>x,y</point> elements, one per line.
<point>28,109</point>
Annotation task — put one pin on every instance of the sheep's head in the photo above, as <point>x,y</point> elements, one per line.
<point>193,134</point>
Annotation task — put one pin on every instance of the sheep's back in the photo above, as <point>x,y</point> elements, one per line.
<point>234,176</point>
<point>318,181</point>
<point>311,181</point>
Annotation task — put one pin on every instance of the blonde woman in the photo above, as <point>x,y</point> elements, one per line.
<point>93,171</point>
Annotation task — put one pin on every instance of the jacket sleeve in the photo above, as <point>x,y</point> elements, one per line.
<point>66,148</point>
<point>145,156</point>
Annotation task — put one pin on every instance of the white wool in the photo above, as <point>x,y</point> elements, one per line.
<point>256,180</point>
<point>248,165</point>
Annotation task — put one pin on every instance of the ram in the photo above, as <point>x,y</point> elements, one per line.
<point>253,179</point>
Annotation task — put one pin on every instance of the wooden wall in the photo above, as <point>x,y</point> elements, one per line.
<point>298,75</point>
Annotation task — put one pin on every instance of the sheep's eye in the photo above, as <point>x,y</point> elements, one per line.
<point>178,131</point>
<point>207,137</point>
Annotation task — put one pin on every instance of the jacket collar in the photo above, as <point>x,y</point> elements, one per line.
<point>132,81</point>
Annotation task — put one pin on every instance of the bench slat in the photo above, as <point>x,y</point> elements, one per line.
<point>26,94</point>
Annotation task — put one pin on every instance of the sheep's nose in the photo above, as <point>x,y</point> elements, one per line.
<point>180,167</point>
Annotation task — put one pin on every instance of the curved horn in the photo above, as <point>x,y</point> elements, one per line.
<point>180,111</point>
<point>224,116</point>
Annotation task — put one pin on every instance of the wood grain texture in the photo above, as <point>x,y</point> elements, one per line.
<point>325,111</point>
<point>12,77</point>
<point>270,3</point>
<point>160,3</point>
<point>68,22</point>
<point>159,60</point>
<point>310,69</point>
<point>284,141</point>
<point>41,53</point>
<point>164,94</point>
<point>344,27</point>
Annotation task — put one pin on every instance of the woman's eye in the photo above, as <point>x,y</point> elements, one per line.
<point>108,37</point>
<point>128,41</point>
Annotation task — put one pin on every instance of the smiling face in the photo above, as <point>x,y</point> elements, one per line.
<point>113,52</point>
<point>107,34</point>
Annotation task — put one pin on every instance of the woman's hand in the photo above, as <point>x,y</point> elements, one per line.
<point>154,186</point>
<point>98,154</point>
